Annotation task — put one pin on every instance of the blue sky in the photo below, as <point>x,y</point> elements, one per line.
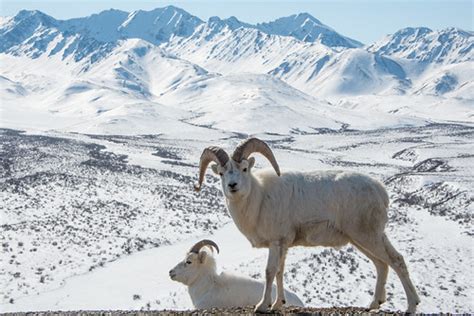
<point>365,20</point>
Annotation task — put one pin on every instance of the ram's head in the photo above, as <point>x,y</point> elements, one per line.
<point>235,171</point>
<point>198,260</point>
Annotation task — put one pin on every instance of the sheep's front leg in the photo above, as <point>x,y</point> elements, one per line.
<point>280,299</point>
<point>270,272</point>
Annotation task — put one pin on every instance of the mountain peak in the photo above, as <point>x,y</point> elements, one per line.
<point>111,11</point>
<point>34,16</point>
<point>303,16</point>
<point>28,13</point>
<point>305,27</point>
<point>412,31</point>
<point>166,11</point>
<point>231,21</point>
<point>159,25</point>
<point>457,31</point>
<point>216,25</point>
<point>171,8</point>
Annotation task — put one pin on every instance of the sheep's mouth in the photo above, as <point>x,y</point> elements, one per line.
<point>172,276</point>
<point>234,190</point>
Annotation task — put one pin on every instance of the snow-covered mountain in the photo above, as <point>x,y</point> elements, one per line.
<point>307,28</point>
<point>356,71</point>
<point>33,32</point>
<point>158,25</point>
<point>155,26</point>
<point>16,30</point>
<point>141,82</point>
<point>451,45</point>
<point>316,69</point>
<point>242,49</point>
<point>171,58</point>
<point>306,66</point>
<point>452,80</point>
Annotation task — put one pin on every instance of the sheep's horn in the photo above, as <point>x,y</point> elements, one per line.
<point>202,243</point>
<point>251,145</point>
<point>209,154</point>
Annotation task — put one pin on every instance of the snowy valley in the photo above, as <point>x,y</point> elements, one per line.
<point>103,120</point>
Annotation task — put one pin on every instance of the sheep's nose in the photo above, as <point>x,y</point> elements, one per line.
<point>172,274</point>
<point>232,185</point>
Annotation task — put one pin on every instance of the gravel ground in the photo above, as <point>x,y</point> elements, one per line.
<point>216,311</point>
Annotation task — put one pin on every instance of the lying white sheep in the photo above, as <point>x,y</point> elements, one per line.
<point>319,208</point>
<point>209,289</point>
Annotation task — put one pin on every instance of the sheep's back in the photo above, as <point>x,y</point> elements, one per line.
<point>346,199</point>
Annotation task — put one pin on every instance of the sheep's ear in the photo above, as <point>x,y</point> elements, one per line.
<point>214,168</point>
<point>251,162</point>
<point>202,256</point>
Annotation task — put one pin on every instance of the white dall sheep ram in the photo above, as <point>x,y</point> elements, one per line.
<point>209,289</point>
<point>320,208</point>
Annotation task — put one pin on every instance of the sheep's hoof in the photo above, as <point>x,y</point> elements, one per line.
<point>412,308</point>
<point>278,305</point>
<point>262,307</point>
<point>375,305</point>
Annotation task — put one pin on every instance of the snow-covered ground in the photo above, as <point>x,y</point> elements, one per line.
<point>96,222</point>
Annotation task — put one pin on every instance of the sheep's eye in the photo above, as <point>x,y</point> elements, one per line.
<point>188,262</point>
<point>221,174</point>
<point>244,170</point>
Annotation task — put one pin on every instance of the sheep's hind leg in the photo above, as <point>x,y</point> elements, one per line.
<point>270,272</point>
<point>382,273</point>
<point>280,298</point>
<point>398,264</point>
<point>381,248</point>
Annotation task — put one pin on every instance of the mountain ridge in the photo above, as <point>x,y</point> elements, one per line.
<point>169,24</point>
<point>121,19</point>
<point>449,45</point>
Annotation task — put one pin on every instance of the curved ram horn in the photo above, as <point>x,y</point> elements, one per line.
<point>212,153</point>
<point>202,243</point>
<point>252,145</point>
